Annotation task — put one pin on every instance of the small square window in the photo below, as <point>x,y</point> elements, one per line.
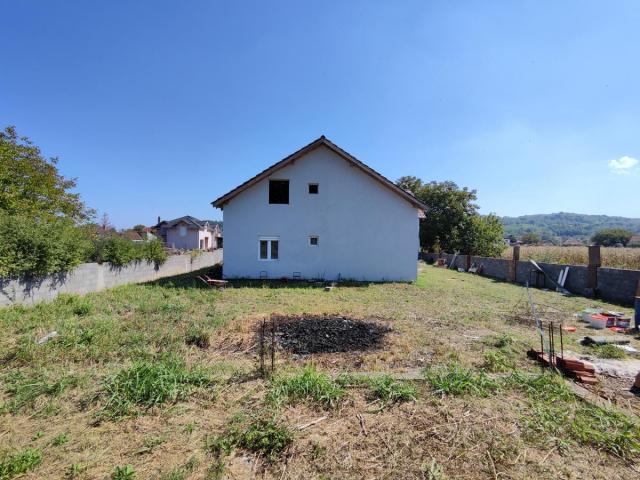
<point>313,240</point>
<point>313,188</point>
<point>279,191</point>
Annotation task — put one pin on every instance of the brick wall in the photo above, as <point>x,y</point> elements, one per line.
<point>92,277</point>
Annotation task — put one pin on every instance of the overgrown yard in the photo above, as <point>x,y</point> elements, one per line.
<point>160,381</point>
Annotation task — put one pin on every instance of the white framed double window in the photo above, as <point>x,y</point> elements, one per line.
<point>268,248</point>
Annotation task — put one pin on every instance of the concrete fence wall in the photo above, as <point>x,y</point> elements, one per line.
<point>610,284</point>
<point>92,277</point>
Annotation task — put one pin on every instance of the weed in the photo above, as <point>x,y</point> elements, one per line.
<point>182,472</point>
<point>197,336</point>
<point>60,439</point>
<point>497,361</point>
<point>74,471</point>
<point>19,463</point>
<point>147,384</point>
<point>309,385</point>
<point>189,428</point>
<point>453,379</point>
<point>123,473</point>
<point>609,351</point>
<point>433,471</point>
<point>25,390</point>
<point>389,390</point>
<point>262,436</point>
<point>215,471</point>
<point>557,414</point>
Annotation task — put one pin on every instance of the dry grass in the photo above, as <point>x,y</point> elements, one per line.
<point>380,428</point>
<point>628,258</point>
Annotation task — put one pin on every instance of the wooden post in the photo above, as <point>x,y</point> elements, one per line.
<point>594,264</point>
<point>637,319</point>
<point>513,268</point>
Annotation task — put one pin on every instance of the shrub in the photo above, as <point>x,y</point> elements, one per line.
<point>453,379</point>
<point>146,384</point>
<point>309,385</point>
<point>154,252</point>
<point>35,247</point>
<point>18,463</point>
<point>120,251</point>
<point>389,390</point>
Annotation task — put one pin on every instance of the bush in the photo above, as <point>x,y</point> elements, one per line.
<point>119,251</point>
<point>33,247</point>
<point>146,384</point>
<point>309,385</point>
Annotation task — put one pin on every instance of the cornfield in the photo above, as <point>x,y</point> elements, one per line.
<point>628,258</point>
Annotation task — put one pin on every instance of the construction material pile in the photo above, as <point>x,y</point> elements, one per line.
<point>328,334</point>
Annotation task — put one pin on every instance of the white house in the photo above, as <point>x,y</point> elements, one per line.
<point>320,213</point>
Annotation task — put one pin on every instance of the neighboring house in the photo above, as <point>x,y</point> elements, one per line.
<point>189,233</point>
<point>320,213</point>
<point>634,241</point>
<point>132,235</point>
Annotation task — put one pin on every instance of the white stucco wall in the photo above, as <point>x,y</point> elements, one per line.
<point>366,232</point>
<point>189,242</point>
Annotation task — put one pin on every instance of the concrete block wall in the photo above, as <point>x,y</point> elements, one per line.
<point>613,284</point>
<point>92,277</point>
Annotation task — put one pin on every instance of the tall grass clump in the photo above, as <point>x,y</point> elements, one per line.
<point>19,463</point>
<point>24,390</point>
<point>309,385</point>
<point>389,390</point>
<point>454,379</point>
<point>149,383</point>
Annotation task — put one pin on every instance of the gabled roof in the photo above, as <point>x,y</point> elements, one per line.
<point>188,219</point>
<point>322,141</point>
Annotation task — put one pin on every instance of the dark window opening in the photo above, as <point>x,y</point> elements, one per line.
<point>279,191</point>
<point>313,241</point>
<point>274,249</point>
<point>313,188</point>
<point>263,249</point>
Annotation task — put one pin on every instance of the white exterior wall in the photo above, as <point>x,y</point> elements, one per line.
<point>366,231</point>
<point>189,242</point>
<point>202,235</point>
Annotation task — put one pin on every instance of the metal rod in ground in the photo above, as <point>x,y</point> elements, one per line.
<point>561,343</point>
<point>273,343</point>
<point>262,329</point>
<point>551,344</point>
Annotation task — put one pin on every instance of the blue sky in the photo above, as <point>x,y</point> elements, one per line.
<point>160,107</point>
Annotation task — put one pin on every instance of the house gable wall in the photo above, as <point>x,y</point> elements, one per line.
<point>366,231</point>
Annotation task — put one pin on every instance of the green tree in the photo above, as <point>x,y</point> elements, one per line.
<point>530,238</point>
<point>31,184</point>
<point>140,229</point>
<point>609,237</point>
<point>452,222</point>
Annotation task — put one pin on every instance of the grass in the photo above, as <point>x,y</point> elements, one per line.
<point>608,351</point>
<point>19,463</point>
<point>628,258</point>
<point>148,384</point>
<point>310,385</point>
<point>123,473</point>
<point>454,379</point>
<point>132,375</point>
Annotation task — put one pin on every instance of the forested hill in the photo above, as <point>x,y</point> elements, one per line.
<point>555,226</point>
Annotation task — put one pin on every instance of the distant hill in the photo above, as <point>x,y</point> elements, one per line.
<point>557,227</point>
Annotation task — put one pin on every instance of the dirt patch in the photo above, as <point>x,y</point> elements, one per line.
<point>328,334</point>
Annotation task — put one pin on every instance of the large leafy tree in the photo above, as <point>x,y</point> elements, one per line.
<point>609,237</point>
<point>452,222</point>
<point>31,184</point>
